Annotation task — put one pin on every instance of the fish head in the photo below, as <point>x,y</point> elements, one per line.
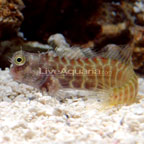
<point>25,68</point>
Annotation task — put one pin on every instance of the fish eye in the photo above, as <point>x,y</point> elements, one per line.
<point>19,60</point>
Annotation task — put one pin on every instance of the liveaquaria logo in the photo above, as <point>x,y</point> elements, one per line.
<point>89,72</point>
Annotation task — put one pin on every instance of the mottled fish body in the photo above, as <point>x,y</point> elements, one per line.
<point>103,72</point>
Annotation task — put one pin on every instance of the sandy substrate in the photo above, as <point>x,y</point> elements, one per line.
<point>27,117</point>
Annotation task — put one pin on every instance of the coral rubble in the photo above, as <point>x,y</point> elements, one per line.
<point>10,17</point>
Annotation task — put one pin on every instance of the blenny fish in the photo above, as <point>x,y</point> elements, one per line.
<point>109,71</point>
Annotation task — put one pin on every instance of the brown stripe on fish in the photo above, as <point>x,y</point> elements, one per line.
<point>121,92</point>
<point>70,70</point>
<point>45,86</point>
<point>119,95</point>
<point>60,67</point>
<point>107,75</point>
<point>113,62</point>
<point>113,76</point>
<point>68,76</point>
<point>96,81</point>
<point>76,83</point>
<point>126,93</point>
<point>78,70</point>
<point>95,60</point>
<point>92,78</point>
<point>119,75</point>
<point>83,84</point>
<point>123,73</point>
<point>89,71</point>
<point>132,91</point>
<point>126,72</point>
<point>80,62</point>
<point>56,59</point>
<point>104,61</point>
<point>78,77</point>
<point>64,60</point>
<point>90,81</point>
<point>64,82</point>
<point>99,77</point>
<point>120,65</point>
<point>87,61</point>
<point>89,85</point>
<point>114,96</point>
<point>72,62</point>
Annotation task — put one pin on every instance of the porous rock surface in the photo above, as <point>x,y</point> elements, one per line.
<point>10,18</point>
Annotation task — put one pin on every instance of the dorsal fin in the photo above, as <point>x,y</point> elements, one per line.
<point>88,52</point>
<point>112,51</point>
<point>120,53</point>
<point>74,52</point>
<point>71,53</point>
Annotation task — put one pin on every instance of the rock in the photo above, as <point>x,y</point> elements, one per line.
<point>10,18</point>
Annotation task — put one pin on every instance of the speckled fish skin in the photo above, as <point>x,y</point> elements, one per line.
<point>50,72</point>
